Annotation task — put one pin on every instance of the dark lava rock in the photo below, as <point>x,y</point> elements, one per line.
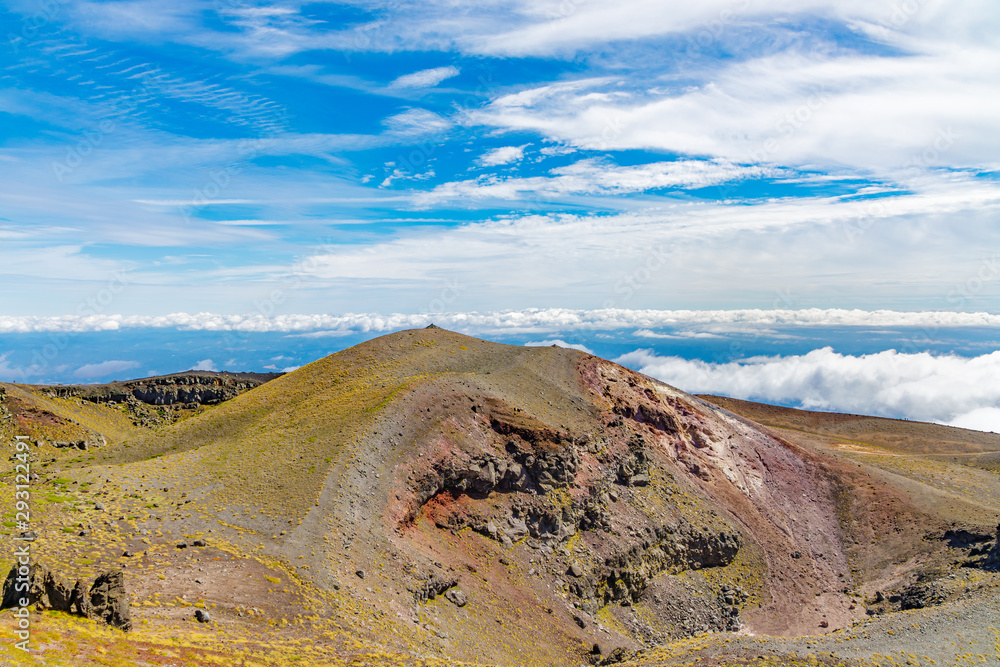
<point>40,587</point>
<point>80,598</point>
<point>919,596</point>
<point>618,655</point>
<point>106,600</point>
<point>993,559</point>
<point>109,601</point>
<point>434,586</point>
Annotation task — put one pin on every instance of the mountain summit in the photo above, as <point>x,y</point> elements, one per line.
<point>444,495</point>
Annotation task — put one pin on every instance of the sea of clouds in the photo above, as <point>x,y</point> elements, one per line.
<point>531,319</point>
<point>948,389</point>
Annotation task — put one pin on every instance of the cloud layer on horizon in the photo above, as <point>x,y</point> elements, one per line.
<point>947,389</point>
<point>534,319</point>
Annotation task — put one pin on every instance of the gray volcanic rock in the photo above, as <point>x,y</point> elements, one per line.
<point>44,589</point>
<point>109,600</point>
<point>993,558</point>
<point>106,600</point>
<point>193,387</point>
<point>11,594</point>
<point>456,597</point>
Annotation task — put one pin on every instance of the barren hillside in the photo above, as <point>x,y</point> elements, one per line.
<point>429,496</point>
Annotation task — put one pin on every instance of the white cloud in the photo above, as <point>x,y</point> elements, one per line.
<point>646,333</point>
<point>425,78</point>
<point>205,365</point>
<point>103,369</point>
<point>502,155</point>
<point>9,372</point>
<point>558,342</point>
<point>979,419</point>
<point>945,389</point>
<point>594,177</point>
<point>413,122</point>
<point>930,109</point>
<point>532,319</point>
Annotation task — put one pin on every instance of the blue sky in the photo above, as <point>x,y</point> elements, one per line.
<point>187,162</point>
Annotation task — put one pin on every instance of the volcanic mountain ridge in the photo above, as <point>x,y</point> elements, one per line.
<point>441,495</point>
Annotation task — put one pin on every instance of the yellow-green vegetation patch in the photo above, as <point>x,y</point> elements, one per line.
<point>746,571</point>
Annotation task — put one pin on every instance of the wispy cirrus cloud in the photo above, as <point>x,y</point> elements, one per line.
<point>789,108</point>
<point>425,78</point>
<point>593,177</point>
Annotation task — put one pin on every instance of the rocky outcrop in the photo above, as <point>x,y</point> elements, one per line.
<point>38,586</point>
<point>520,470</point>
<point>627,573</point>
<point>181,389</point>
<point>993,557</point>
<point>109,600</point>
<point>106,600</point>
<point>434,586</point>
<point>92,440</point>
<point>920,595</point>
<point>634,469</point>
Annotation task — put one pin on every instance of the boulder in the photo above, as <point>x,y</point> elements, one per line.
<point>12,596</point>
<point>109,601</point>
<point>44,589</point>
<point>57,592</point>
<point>993,558</point>
<point>456,597</point>
<point>80,599</point>
<point>202,616</point>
